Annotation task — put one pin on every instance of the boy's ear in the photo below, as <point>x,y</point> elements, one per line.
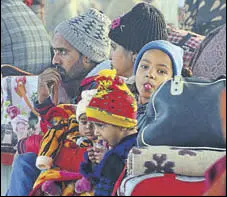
<point>134,55</point>
<point>86,62</point>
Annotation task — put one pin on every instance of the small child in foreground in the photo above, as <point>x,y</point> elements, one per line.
<point>62,149</point>
<point>113,111</point>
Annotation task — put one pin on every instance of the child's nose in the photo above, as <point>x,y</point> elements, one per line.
<point>97,132</point>
<point>89,125</point>
<point>150,74</point>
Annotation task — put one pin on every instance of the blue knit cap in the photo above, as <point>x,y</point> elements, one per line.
<point>174,52</point>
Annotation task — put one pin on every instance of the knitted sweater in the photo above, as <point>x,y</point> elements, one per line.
<point>105,174</point>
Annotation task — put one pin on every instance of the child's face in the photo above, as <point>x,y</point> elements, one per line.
<point>155,67</point>
<point>121,60</point>
<point>109,133</point>
<point>86,128</point>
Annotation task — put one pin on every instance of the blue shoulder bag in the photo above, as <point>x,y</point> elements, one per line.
<point>184,112</point>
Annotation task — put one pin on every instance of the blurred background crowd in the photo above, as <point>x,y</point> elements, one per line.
<point>199,16</point>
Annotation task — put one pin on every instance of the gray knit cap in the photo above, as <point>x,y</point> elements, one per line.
<point>88,33</point>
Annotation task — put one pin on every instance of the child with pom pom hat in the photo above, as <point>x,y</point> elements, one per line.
<point>113,111</point>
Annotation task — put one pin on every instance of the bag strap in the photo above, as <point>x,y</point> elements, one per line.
<point>118,182</point>
<point>184,40</point>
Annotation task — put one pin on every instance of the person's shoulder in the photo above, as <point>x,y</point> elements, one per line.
<point>112,157</point>
<point>14,6</point>
<point>125,145</point>
<point>103,65</point>
<point>130,139</point>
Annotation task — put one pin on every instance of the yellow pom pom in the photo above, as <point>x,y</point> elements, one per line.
<point>108,73</point>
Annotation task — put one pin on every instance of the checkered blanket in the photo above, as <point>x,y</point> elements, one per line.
<point>189,41</point>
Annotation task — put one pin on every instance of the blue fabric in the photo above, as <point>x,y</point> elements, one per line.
<point>102,176</point>
<point>24,173</point>
<point>87,169</point>
<point>191,119</point>
<point>141,116</point>
<point>104,65</point>
<point>174,52</point>
<point>104,187</point>
<point>106,181</point>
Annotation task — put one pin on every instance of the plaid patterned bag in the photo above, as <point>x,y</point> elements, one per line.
<point>187,40</point>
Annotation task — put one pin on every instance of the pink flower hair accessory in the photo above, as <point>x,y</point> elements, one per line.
<point>116,23</point>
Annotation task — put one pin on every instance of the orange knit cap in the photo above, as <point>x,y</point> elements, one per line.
<point>113,103</point>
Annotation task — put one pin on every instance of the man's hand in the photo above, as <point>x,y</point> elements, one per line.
<point>47,80</point>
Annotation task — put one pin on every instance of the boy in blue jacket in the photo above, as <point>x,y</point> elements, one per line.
<point>113,111</point>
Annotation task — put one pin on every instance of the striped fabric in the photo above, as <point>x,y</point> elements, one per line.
<point>24,40</point>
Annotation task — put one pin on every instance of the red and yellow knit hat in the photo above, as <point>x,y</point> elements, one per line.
<point>113,103</point>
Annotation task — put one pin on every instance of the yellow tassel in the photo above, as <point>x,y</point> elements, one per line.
<point>69,189</point>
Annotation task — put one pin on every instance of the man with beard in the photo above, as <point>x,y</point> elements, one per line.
<point>79,45</point>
